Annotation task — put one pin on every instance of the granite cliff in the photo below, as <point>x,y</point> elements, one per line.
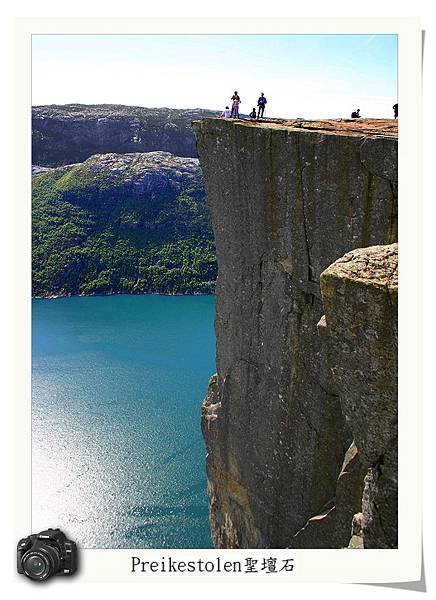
<point>71,133</point>
<point>300,420</point>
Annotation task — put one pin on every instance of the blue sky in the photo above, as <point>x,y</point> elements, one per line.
<point>306,76</point>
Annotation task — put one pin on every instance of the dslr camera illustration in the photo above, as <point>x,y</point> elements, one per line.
<point>41,555</point>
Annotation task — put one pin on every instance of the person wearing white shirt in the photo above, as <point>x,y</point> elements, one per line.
<point>226,113</point>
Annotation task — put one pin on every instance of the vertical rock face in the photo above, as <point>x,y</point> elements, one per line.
<point>286,201</point>
<point>360,292</point>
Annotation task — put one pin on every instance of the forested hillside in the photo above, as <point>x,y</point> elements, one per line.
<point>122,223</point>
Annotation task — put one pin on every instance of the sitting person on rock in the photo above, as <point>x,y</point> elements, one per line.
<point>355,114</point>
<point>226,113</point>
<point>252,115</point>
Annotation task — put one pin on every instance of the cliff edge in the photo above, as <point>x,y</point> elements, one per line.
<point>284,455</point>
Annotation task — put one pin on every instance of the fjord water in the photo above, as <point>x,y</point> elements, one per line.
<point>117,451</point>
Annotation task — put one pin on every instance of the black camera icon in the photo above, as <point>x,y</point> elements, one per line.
<point>41,555</point>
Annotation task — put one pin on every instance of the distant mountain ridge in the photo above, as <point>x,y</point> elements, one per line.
<point>71,133</point>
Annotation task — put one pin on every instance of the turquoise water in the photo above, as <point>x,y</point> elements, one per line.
<point>117,451</point>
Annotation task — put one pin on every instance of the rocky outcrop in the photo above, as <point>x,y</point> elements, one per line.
<point>287,199</point>
<point>134,174</point>
<point>360,297</point>
<point>71,133</point>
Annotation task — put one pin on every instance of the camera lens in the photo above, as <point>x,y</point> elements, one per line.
<point>36,566</point>
<point>41,563</point>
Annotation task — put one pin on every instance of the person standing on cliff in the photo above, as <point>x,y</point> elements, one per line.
<point>235,105</point>
<point>395,107</point>
<point>261,104</point>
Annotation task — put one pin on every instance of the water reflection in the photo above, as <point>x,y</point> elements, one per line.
<point>117,454</point>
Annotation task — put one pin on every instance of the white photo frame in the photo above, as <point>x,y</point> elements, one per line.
<point>375,566</point>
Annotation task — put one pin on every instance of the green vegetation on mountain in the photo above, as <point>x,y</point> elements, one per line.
<point>131,223</point>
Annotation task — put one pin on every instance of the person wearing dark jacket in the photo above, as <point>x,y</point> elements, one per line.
<point>355,114</point>
<point>252,115</point>
<point>395,107</point>
<point>261,104</point>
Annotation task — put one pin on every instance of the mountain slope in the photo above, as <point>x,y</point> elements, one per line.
<point>130,223</point>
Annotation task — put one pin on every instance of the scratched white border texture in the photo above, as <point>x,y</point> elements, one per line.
<point>375,566</point>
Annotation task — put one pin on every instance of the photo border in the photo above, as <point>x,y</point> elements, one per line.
<point>333,565</point>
